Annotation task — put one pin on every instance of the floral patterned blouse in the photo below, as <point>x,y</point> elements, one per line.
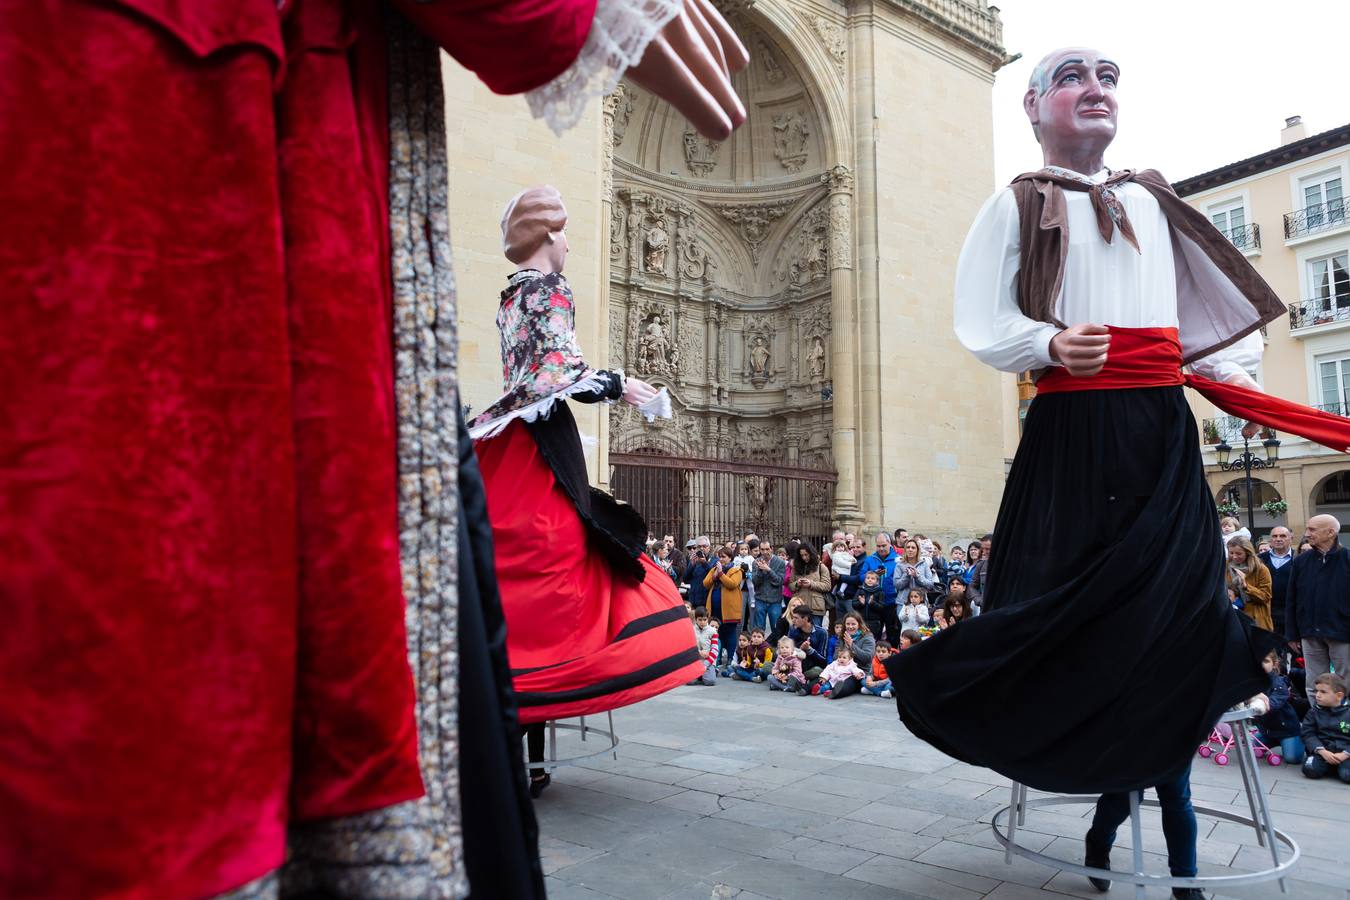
<point>541,361</point>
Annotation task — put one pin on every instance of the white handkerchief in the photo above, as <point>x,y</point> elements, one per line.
<point>658,406</point>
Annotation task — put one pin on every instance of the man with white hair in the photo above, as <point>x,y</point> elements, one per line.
<point>1317,604</point>
<point>1104,284</point>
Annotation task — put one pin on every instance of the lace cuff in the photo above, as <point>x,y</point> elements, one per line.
<point>656,408</point>
<point>619,36</point>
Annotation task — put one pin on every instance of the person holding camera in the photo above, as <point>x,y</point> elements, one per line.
<point>700,564</point>
<point>767,574</point>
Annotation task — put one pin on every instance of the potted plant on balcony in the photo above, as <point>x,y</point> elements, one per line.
<point>1227,508</point>
<point>1275,508</point>
<point>1211,431</point>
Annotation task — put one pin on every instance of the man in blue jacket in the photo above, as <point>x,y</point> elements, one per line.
<point>1317,602</point>
<point>812,642</point>
<point>883,563</point>
<point>700,562</point>
<point>1278,559</point>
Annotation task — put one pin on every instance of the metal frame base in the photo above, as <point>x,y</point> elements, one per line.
<point>553,762</point>
<point>1266,833</point>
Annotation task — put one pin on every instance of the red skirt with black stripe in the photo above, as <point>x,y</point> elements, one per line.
<point>581,639</point>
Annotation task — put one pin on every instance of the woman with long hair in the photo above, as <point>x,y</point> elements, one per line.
<point>1250,578</point>
<point>973,552</point>
<point>913,571</point>
<point>810,582</point>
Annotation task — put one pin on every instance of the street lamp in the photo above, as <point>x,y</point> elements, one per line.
<point>1248,461</point>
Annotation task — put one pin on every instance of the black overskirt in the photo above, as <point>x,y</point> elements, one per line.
<point>501,835</point>
<point>1107,647</point>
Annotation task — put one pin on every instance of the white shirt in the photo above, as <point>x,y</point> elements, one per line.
<point>1279,562</point>
<point>1104,284</point>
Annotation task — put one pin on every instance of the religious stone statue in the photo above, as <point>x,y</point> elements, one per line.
<point>816,358</point>
<point>657,243</point>
<point>790,131</point>
<point>759,360</point>
<point>654,348</point>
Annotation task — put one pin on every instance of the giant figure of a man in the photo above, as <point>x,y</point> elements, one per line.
<point>1107,646</point>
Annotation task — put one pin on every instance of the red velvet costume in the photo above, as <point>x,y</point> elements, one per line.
<point>199,548</point>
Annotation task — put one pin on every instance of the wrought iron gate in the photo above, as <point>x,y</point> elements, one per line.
<point>688,496</point>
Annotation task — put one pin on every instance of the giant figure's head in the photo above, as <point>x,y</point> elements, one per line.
<point>1071,99</point>
<point>535,220</point>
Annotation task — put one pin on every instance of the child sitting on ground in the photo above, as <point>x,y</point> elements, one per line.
<point>909,639</point>
<point>1280,722</point>
<point>1326,729</point>
<point>706,632</point>
<point>878,684</point>
<point>914,614</point>
<point>786,674</point>
<point>752,656</point>
<point>837,672</point>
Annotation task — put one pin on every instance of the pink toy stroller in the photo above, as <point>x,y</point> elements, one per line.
<point>1221,740</point>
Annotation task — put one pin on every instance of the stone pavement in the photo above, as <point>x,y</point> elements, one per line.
<point>731,791</point>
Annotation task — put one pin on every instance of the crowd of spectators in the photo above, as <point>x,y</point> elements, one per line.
<point>820,620</point>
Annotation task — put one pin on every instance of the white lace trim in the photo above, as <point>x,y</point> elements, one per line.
<point>657,407</point>
<point>619,36</point>
<point>539,408</point>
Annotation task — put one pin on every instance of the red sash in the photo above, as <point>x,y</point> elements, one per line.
<point>1151,357</point>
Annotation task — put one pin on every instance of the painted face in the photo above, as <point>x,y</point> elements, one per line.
<point>1075,98</point>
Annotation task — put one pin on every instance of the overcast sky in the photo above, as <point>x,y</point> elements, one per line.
<point>1202,83</point>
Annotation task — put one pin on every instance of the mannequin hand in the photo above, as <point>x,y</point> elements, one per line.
<point>689,65</point>
<point>637,392</point>
<point>1242,379</point>
<point>1081,349</point>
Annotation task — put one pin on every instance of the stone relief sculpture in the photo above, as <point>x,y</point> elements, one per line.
<point>815,359</point>
<point>753,220</point>
<point>700,153</point>
<point>790,132</point>
<point>773,71</point>
<point>654,349</point>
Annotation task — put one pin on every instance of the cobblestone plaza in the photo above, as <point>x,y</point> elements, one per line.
<point>732,791</point>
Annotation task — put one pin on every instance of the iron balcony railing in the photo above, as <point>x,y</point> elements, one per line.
<point>1248,237</point>
<point>1228,430</point>
<point>1319,311</point>
<point>1312,219</point>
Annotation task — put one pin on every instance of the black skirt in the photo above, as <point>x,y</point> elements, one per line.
<point>1107,647</point>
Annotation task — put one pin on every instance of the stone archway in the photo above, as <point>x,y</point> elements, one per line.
<point>728,261</point>
<point>1235,491</point>
<point>1331,496</point>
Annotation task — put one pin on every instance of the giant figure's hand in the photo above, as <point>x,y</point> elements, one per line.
<point>689,65</point>
<point>1242,379</point>
<point>637,392</point>
<point>1081,350</point>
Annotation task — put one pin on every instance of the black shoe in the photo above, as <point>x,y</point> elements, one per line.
<point>1188,894</point>
<point>537,785</point>
<point>1094,858</point>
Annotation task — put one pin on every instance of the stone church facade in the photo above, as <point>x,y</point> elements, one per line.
<point>790,286</point>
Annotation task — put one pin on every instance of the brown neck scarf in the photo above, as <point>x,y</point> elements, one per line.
<point>1110,212</point>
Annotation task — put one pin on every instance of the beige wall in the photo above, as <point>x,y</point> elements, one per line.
<point>496,149</point>
<point>1287,368</point>
<point>942,442</point>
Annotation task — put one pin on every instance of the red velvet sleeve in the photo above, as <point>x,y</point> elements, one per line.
<point>512,45</point>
